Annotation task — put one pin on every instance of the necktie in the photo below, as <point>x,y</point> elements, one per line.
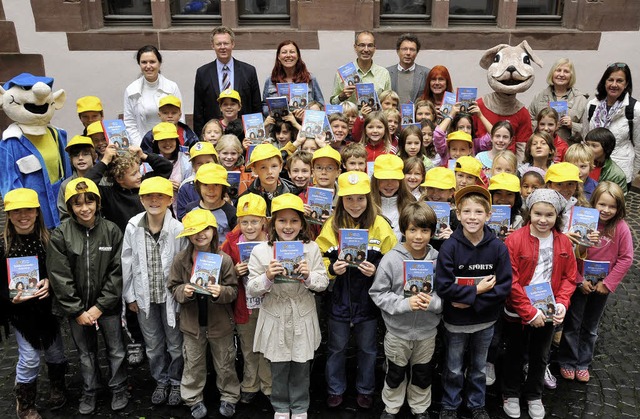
<point>226,80</point>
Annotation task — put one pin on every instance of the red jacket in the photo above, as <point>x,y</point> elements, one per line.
<point>561,148</point>
<point>240,310</point>
<point>523,252</point>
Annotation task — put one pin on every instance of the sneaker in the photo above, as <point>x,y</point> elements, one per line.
<point>490,374</point>
<point>550,381</point>
<point>582,376</point>
<point>423,415</point>
<point>227,409</point>
<point>160,394</point>
<point>174,396</point>
<point>567,373</point>
<point>334,400</point>
<point>247,397</point>
<point>480,413</point>
<point>387,415</point>
<point>448,414</point>
<point>277,415</point>
<point>198,410</point>
<point>119,400</point>
<point>511,407</point>
<point>135,353</point>
<point>299,415</point>
<point>536,409</point>
<point>87,404</point>
<point>365,401</point>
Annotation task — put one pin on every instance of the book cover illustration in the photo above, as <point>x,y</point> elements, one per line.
<point>320,200</point>
<point>252,302</point>
<point>206,271</point>
<point>233,178</point>
<point>418,277</point>
<point>278,107</point>
<point>561,106</point>
<point>466,96</point>
<point>283,89</point>
<point>289,254</point>
<point>541,297</point>
<point>249,151</point>
<point>584,221</point>
<point>468,281</point>
<point>353,245</point>
<point>448,101</point>
<point>349,74</point>
<point>244,249</point>
<point>298,95</point>
<point>328,132</point>
<point>23,275</point>
<point>116,133</point>
<point>370,166</point>
<point>331,109</point>
<point>407,112</point>
<point>443,214</point>
<point>595,271</point>
<point>500,220</point>
<point>312,123</point>
<point>451,164</point>
<point>366,95</point>
<point>253,125</point>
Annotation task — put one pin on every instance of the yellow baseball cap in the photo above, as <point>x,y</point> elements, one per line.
<point>170,100</point>
<point>251,204</point>
<point>165,131</point>
<point>353,183</point>
<point>326,151</point>
<point>79,185</point>
<point>156,184</point>
<point>287,201</point>
<point>212,174</point>
<point>95,128</point>
<point>230,93</point>
<point>469,165</point>
<point>89,103</point>
<point>440,178</point>
<point>263,152</point>
<point>197,220</point>
<point>388,166</point>
<point>78,140</point>
<point>504,181</point>
<point>21,198</point>
<point>202,148</point>
<point>563,172</point>
<point>460,136</point>
<point>472,189</point>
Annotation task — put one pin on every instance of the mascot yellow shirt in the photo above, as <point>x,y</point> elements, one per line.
<point>47,145</point>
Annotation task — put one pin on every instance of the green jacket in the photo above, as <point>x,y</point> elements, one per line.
<point>613,173</point>
<point>84,268</point>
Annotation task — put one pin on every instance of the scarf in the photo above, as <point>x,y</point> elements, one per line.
<point>602,117</point>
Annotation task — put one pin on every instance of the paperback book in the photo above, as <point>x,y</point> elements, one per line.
<point>561,106</point>
<point>353,245</point>
<point>320,200</point>
<point>500,220</point>
<point>584,221</point>
<point>447,103</point>
<point>278,107</point>
<point>466,96</point>
<point>330,109</point>
<point>298,95</point>
<point>116,133</point>
<point>418,277</point>
<point>312,123</point>
<point>451,164</point>
<point>233,178</point>
<point>349,74</point>
<point>370,166</point>
<point>443,214</point>
<point>595,271</point>
<point>23,274</point>
<point>253,125</point>
<point>541,297</point>
<point>366,95</point>
<point>328,132</point>
<point>206,271</point>
<point>244,249</point>
<point>289,254</point>
<point>249,152</point>
<point>283,89</point>
<point>407,112</point>
<point>468,281</point>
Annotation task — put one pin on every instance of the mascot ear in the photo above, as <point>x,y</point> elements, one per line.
<point>2,92</point>
<point>59,98</point>
<point>487,57</point>
<point>525,46</point>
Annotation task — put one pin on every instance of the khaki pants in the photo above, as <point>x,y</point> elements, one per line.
<point>407,357</point>
<point>194,375</point>
<point>257,371</point>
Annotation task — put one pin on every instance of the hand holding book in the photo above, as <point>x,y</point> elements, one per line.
<point>419,301</point>
<point>486,284</point>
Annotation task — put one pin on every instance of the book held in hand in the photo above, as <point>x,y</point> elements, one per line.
<point>278,107</point>
<point>418,277</point>
<point>298,95</point>
<point>353,245</point>
<point>331,109</point>
<point>407,112</point>
<point>233,178</point>
<point>206,271</point>
<point>313,123</point>
<point>448,101</point>
<point>595,271</point>
<point>321,201</point>
<point>253,125</point>
<point>584,221</point>
<point>561,106</point>
<point>349,74</point>
<point>465,96</point>
<point>116,133</point>
<point>23,274</point>
<point>443,215</point>
<point>283,89</point>
<point>244,249</point>
<point>500,220</point>
<point>366,95</point>
<point>541,297</point>
<point>289,254</point>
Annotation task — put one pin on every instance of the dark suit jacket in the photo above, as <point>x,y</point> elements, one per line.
<point>207,90</point>
<point>419,78</point>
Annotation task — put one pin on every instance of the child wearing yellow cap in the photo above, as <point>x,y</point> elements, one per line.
<point>82,154</point>
<point>440,185</point>
<point>205,319</point>
<point>89,110</point>
<point>230,105</point>
<point>170,111</point>
<point>148,249</point>
<point>29,310</point>
<point>95,131</point>
<point>468,172</point>
<point>201,153</point>
<point>505,190</point>
<point>565,179</point>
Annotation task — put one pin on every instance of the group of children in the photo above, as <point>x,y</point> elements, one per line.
<point>135,221</point>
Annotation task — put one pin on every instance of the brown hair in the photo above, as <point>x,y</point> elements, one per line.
<point>11,236</point>
<point>304,235</point>
<point>342,219</point>
<point>214,245</point>
<point>528,158</point>
<point>304,156</point>
<point>404,194</point>
<point>420,215</point>
<point>121,163</point>
<point>88,197</point>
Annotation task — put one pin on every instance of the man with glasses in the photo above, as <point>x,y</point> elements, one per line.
<point>407,77</point>
<point>225,72</point>
<point>368,71</point>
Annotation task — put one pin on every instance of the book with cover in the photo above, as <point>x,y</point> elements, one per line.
<point>233,177</point>
<point>407,112</point>
<point>320,200</point>
<point>443,214</point>
<point>349,74</point>
<point>353,245</point>
<point>447,103</point>
<point>584,221</point>
<point>465,96</point>
<point>330,109</point>
<point>312,123</point>
<point>366,95</point>
<point>249,151</point>
<point>206,270</point>
<point>500,220</point>
<point>289,254</point>
<point>23,274</point>
<point>253,125</point>
<point>468,281</point>
<point>451,164</point>
<point>283,89</point>
<point>328,132</point>
<point>561,106</point>
<point>541,297</point>
<point>244,249</point>
<point>595,270</point>
<point>370,166</point>
<point>116,133</point>
<point>298,95</point>
<point>418,277</point>
<point>278,107</point>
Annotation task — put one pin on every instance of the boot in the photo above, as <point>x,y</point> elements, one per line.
<point>26,400</point>
<point>57,388</point>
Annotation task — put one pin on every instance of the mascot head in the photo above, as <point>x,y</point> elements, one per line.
<point>510,69</point>
<point>29,101</point>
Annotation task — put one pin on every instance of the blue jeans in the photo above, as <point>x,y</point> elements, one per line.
<point>453,378</point>
<point>163,345</point>
<point>86,340</point>
<point>580,330</point>
<point>335,371</point>
<point>28,365</point>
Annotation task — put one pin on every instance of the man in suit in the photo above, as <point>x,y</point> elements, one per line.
<point>223,73</point>
<point>407,77</point>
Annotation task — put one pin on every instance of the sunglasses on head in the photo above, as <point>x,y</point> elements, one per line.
<point>619,65</point>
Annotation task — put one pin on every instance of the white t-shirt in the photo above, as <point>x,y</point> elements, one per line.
<point>543,270</point>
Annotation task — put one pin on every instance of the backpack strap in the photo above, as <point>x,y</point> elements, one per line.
<point>592,109</point>
<point>628,113</point>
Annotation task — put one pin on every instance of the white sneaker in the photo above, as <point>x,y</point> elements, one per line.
<point>490,374</point>
<point>550,381</point>
<point>511,407</point>
<point>536,409</point>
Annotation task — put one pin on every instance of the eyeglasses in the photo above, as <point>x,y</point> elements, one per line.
<point>363,46</point>
<point>252,223</point>
<point>328,169</point>
<point>619,65</point>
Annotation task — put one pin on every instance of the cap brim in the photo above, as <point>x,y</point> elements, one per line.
<point>471,190</point>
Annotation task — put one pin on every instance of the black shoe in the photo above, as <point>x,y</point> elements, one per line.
<point>480,413</point>
<point>87,404</point>
<point>423,415</point>
<point>160,394</point>
<point>199,410</point>
<point>247,397</point>
<point>387,415</point>
<point>119,400</point>
<point>448,414</point>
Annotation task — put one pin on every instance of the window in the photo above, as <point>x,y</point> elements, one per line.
<point>472,11</point>
<point>274,12</point>
<point>196,11</point>
<point>126,12</point>
<point>405,11</point>
<point>539,11</point>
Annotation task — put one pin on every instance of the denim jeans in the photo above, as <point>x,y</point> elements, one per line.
<point>28,365</point>
<point>335,371</point>
<point>86,340</point>
<point>290,389</point>
<point>477,344</point>
<point>580,330</point>
<point>163,344</point>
